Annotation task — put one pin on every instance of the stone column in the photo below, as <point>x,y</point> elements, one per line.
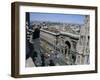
<point>83,43</point>
<point>87,35</point>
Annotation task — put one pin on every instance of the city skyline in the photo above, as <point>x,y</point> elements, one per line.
<point>53,17</point>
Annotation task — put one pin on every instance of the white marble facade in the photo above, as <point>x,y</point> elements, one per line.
<point>83,43</point>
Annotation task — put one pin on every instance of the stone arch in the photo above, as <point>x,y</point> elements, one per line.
<point>68,43</point>
<point>67,48</point>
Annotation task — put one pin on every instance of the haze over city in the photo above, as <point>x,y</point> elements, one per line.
<point>52,17</point>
